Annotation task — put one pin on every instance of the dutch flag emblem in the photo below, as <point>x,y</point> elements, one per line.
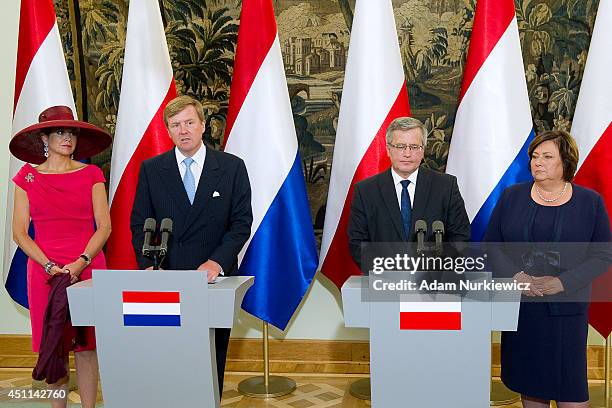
<point>151,308</point>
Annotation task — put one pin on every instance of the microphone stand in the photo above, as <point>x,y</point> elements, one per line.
<point>156,259</point>
<point>154,252</point>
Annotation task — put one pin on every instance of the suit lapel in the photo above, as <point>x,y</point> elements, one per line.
<point>211,175</point>
<point>389,195</point>
<point>421,195</point>
<point>172,181</point>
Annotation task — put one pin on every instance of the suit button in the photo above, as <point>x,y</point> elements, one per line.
<point>180,244</point>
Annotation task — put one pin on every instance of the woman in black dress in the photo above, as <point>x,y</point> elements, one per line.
<point>545,359</point>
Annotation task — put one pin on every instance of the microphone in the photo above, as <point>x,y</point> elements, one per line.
<point>165,229</point>
<point>438,231</point>
<point>420,227</point>
<point>148,229</point>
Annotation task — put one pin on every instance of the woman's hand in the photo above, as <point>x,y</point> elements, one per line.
<point>533,290</point>
<point>548,285</point>
<point>74,269</point>
<point>55,269</point>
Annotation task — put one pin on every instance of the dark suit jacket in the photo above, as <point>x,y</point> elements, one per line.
<point>376,217</point>
<point>212,228</point>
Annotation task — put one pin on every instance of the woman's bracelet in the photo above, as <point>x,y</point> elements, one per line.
<point>48,266</point>
<point>85,256</point>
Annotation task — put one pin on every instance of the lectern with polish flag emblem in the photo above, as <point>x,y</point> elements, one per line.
<point>155,333</point>
<point>421,344</point>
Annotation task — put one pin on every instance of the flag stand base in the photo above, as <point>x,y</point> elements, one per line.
<point>266,386</point>
<point>597,397</point>
<point>256,386</point>
<point>361,389</point>
<point>600,394</point>
<point>501,395</point>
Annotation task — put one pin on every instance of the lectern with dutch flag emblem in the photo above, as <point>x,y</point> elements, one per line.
<point>155,333</point>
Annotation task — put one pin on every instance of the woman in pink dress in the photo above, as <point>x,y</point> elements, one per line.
<point>66,202</point>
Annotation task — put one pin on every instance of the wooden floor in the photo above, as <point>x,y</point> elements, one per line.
<point>313,390</point>
<point>316,391</point>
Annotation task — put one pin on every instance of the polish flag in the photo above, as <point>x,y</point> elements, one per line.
<point>493,126</point>
<point>373,95</point>
<point>147,86</point>
<point>281,252</point>
<point>592,128</point>
<point>429,315</point>
<point>41,82</point>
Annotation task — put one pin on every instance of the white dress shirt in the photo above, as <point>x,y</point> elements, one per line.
<point>397,179</point>
<point>196,166</point>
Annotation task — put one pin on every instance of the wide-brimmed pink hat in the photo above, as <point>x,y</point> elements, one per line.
<point>27,145</point>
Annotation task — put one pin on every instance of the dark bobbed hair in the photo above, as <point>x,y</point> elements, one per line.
<point>568,150</point>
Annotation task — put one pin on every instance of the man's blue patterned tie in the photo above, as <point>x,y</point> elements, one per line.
<point>189,180</point>
<point>406,208</point>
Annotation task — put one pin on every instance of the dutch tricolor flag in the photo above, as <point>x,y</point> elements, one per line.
<point>281,252</point>
<point>493,127</point>
<point>151,308</point>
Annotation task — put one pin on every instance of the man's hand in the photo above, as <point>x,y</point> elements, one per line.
<point>212,269</point>
<point>548,285</point>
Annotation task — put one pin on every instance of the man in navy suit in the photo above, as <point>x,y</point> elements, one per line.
<point>206,193</point>
<point>386,206</point>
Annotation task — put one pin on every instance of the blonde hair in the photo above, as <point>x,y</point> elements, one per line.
<point>179,103</point>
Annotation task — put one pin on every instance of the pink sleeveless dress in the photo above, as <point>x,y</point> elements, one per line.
<point>61,210</point>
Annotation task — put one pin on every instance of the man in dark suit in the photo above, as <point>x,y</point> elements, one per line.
<point>386,206</point>
<point>207,195</point>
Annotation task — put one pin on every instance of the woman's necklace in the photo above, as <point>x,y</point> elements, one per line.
<point>551,200</point>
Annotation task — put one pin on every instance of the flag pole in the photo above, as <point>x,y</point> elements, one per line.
<point>500,394</point>
<point>602,392</point>
<point>607,374</point>
<point>266,386</point>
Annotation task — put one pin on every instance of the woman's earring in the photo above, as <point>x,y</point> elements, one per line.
<point>46,149</point>
<point>72,156</point>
